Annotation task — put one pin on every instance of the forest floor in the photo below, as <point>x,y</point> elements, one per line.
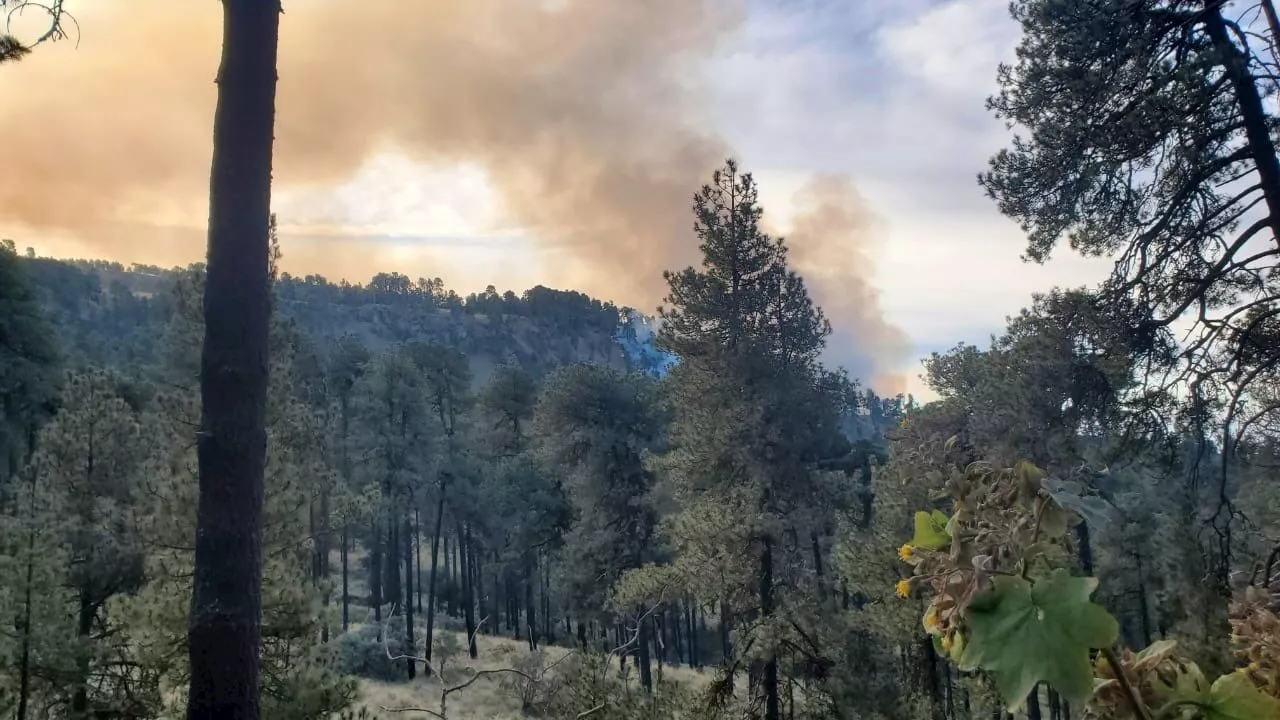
<point>493,697</point>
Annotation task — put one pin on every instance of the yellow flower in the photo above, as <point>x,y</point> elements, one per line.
<point>903,588</point>
<point>931,620</point>
<point>904,553</point>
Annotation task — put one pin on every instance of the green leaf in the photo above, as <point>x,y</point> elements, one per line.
<point>1235,697</point>
<point>1095,511</point>
<point>1023,634</point>
<point>931,531</point>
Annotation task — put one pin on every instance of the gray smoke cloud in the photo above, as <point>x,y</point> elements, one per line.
<point>587,117</point>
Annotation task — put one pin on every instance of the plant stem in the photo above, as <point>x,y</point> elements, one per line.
<point>1139,708</point>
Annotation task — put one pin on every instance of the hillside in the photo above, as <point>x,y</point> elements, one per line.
<point>108,314</point>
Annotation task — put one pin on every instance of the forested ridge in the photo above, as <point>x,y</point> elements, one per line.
<point>226,491</point>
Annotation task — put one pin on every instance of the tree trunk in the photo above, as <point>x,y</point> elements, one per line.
<point>766,611</point>
<point>642,652</point>
<point>411,665</point>
<point>346,588</point>
<point>1086,548</point>
<point>224,626</point>
<point>530,610</point>
<point>1252,112</point>
<point>726,642</point>
<point>482,595</point>
<point>24,655</point>
<point>322,548</point>
<point>548,627</point>
<point>435,561</point>
<point>417,552</point>
<point>1143,610</point>
<point>690,610</point>
<point>1033,704</point>
<point>84,625</point>
<point>375,574</point>
<point>447,590</point>
<point>468,602</point>
<point>391,589</point>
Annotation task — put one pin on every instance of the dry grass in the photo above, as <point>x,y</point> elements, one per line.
<point>486,699</point>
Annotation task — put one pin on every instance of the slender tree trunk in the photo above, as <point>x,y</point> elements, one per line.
<point>530,610</point>
<point>482,595</point>
<point>84,625</point>
<point>447,590</point>
<point>766,612</point>
<point>224,626</point>
<point>690,610</point>
<point>411,665</point>
<point>375,574</point>
<point>24,655</point>
<point>323,542</point>
<point>582,635</point>
<point>726,642</point>
<point>391,591</point>
<point>1086,548</point>
<point>417,550</point>
<point>346,588</point>
<point>468,602</point>
<point>548,627</point>
<point>1143,610</point>
<point>642,651</point>
<point>435,560</point>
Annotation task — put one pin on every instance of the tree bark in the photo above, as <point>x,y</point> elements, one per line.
<point>642,651</point>
<point>726,642</point>
<point>346,589</point>
<point>435,559</point>
<point>766,611</point>
<point>417,552</point>
<point>410,664</point>
<point>375,574</point>
<point>468,602</point>
<point>84,625</point>
<point>1256,120</point>
<point>530,610</point>
<point>224,627</point>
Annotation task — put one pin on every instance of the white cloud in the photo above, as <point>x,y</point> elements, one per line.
<point>954,47</point>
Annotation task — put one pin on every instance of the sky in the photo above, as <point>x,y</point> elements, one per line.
<point>512,142</point>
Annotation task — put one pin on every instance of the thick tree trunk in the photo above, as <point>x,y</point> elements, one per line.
<point>435,559</point>
<point>410,664</point>
<point>1252,112</point>
<point>224,627</point>
<point>1033,704</point>
<point>766,611</point>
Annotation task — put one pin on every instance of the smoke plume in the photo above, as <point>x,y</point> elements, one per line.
<point>586,117</point>
<point>833,235</point>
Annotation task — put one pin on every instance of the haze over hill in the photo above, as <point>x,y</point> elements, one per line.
<point>585,125</point>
